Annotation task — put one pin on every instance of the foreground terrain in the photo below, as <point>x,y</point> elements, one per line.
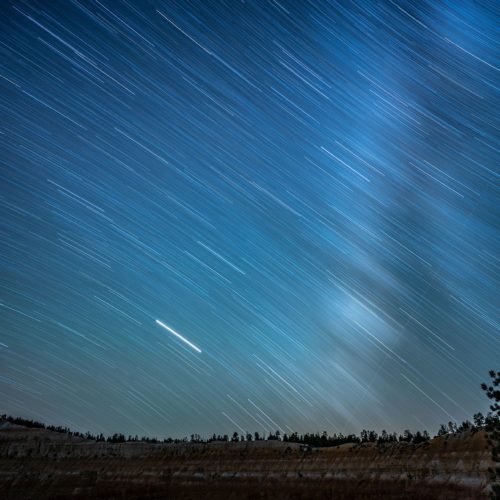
<point>37,463</point>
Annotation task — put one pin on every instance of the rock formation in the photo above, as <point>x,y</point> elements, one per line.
<point>37,463</point>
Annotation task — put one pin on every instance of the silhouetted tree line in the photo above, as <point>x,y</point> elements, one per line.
<point>314,440</point>
<point>490,422</point>
<point>115,438</point>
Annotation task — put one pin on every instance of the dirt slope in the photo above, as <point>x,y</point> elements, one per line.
<point>36,463</point>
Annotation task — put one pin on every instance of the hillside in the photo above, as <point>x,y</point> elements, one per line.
<point>37,463</point>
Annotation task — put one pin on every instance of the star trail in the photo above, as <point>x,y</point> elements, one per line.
<point>247,215</point>
<point>179,336</point>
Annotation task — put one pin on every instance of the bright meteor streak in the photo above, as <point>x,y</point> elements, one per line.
<point>178,335</point>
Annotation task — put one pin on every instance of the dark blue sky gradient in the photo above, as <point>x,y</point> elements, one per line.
<point>305,191</point>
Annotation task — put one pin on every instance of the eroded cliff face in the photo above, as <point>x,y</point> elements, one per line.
<point>37,463</point>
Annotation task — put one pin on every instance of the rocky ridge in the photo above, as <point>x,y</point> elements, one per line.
<point>36,463</point>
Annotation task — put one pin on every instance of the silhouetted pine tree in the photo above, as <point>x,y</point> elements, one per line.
<point>493,427</point>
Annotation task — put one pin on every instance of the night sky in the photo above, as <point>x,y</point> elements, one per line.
<point>249,216</point>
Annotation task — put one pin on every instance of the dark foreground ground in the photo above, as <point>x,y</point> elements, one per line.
<point>40,464</point>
